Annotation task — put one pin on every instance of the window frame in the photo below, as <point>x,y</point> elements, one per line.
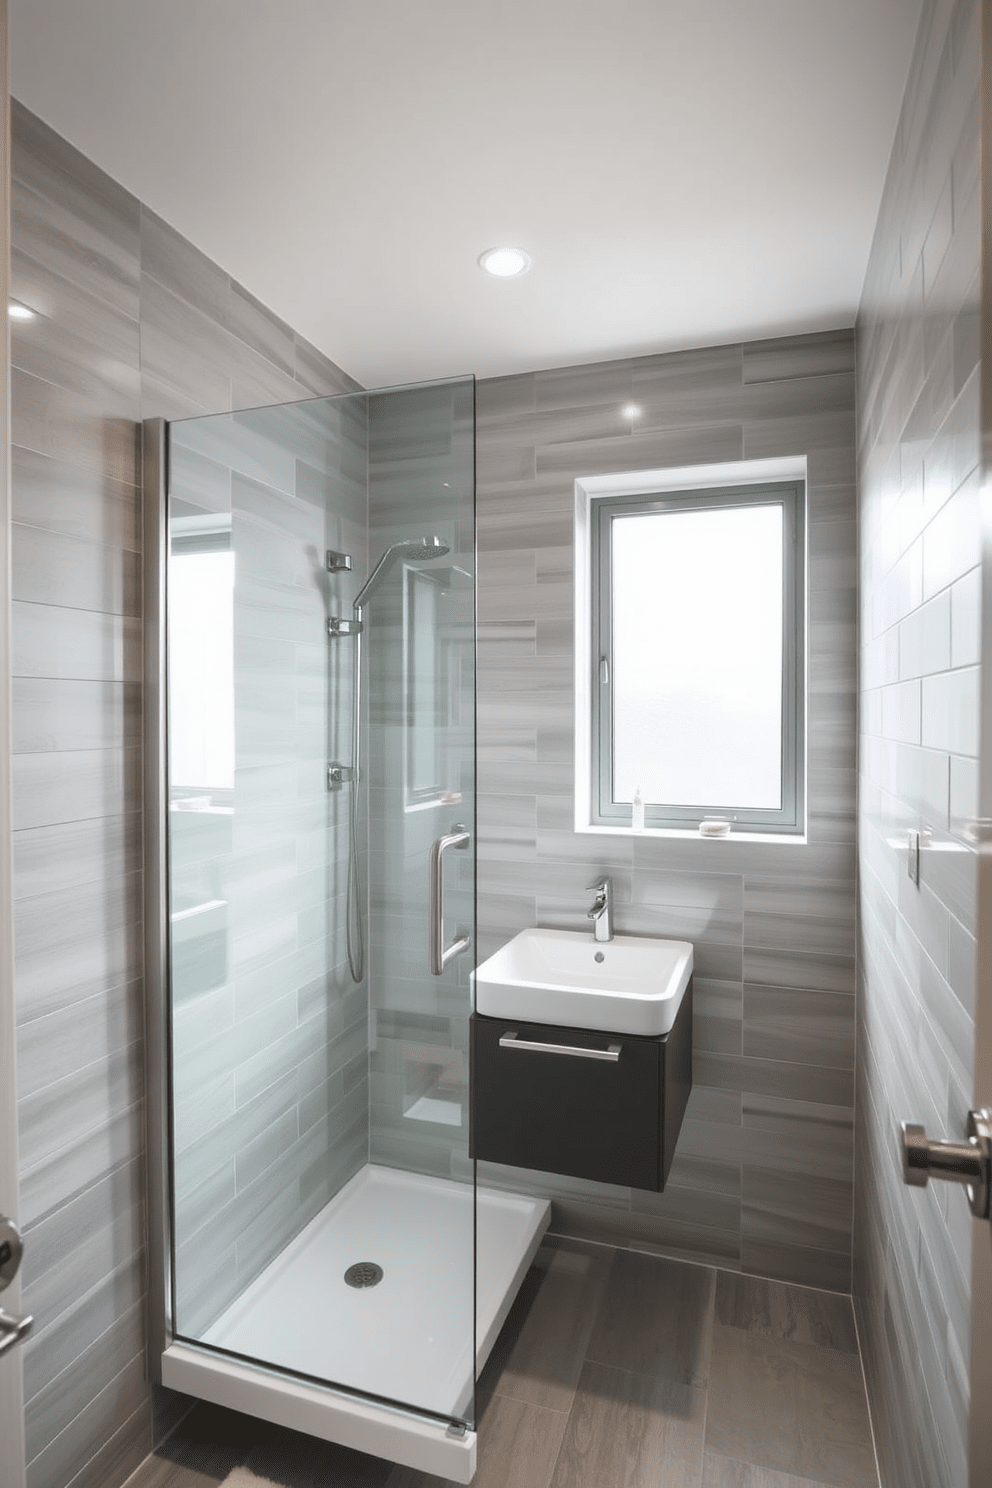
<point>790,494</point>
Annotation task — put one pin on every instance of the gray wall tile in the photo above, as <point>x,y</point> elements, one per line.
<point>745,908</point>
<point>131,321</point>
<point>918,437</point>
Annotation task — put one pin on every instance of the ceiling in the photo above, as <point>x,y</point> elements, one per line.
<point>682,172</point>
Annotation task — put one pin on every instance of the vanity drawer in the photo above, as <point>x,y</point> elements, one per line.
<point>602,1106</point>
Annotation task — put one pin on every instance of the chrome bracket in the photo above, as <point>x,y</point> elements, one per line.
<point>337,627</point>
<point>968,1163</point>
<point>337,562</point>
<point>339,775</point>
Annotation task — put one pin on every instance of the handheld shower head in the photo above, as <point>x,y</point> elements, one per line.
<point>409,547</point>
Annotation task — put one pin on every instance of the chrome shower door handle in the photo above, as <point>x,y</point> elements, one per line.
<point>968,1163</point>
<point>439,953</point>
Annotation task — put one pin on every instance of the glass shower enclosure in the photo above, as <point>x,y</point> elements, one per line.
<point>320,1254</point>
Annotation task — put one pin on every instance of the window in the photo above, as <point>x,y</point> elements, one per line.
<point>697,656</point>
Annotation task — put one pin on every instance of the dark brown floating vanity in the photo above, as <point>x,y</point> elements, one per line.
<point>605,1106</point>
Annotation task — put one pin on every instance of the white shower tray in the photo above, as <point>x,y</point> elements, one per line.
<point>408,1338</point>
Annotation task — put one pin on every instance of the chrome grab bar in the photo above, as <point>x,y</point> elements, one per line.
<point>13,1329</point>
<point>440,954</point>
<point>511,1041</point>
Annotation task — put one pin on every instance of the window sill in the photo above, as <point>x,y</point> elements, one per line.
<point>776,839</point>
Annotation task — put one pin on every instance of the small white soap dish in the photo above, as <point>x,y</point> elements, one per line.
<point>714,826</point>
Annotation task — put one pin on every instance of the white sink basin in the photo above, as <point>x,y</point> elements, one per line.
<point>630,984</point>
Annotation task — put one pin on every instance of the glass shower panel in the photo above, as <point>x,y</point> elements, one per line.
<point>422,782</point>
<point>279,1187</point>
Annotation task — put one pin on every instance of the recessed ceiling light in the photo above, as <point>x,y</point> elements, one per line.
<point>19,312</point>
<point>505,263</point>
<point>631,411</point>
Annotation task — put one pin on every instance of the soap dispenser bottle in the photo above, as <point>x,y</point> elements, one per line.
<point>637,812</point>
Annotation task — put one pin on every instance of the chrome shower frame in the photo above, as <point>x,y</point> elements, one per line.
<point>158,1052</point>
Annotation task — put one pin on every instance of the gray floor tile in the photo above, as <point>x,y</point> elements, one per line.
<point>539,1355</point>
<point>791,1407</point>
<point>632,1429</point>
<point>518,1445</point>
<point>518,1448</point>
<point>723,1472</point>
<point>656,1318</point>
<point>210,1466</point>
<point>786,1406</point>
<point>201,1452</point>
<point>291,1460</point>
<point>777,1310</point>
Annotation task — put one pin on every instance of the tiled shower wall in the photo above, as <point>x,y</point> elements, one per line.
<point>918,432</point>
<point>763,1175</point>
<point>131,323</point>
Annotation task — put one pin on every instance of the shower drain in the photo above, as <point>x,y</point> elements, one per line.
<point>363,1274</point>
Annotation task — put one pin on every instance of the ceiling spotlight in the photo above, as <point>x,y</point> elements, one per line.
<point>504,263</point>
<point>19,312</point>
<point>630,411</point>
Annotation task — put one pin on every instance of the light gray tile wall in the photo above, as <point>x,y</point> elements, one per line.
<point>762,1179</point>
<point>131,323</point>
<point>918,432</point>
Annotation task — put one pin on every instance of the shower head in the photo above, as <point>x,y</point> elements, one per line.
<point>422,547</point>
<point>409,547</point>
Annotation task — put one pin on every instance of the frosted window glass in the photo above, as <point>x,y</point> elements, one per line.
<point>697,657</point>
<point>201,670</point>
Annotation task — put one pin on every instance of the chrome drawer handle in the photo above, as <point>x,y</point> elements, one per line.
<point>511,1041</point>
<point>440,954</point>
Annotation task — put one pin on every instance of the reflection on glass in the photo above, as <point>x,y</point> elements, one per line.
<point>697,662</point>
<point>424,700</point>
<point>201,650</point>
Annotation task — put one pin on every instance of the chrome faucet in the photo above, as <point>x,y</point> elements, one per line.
<point>601,913</point>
